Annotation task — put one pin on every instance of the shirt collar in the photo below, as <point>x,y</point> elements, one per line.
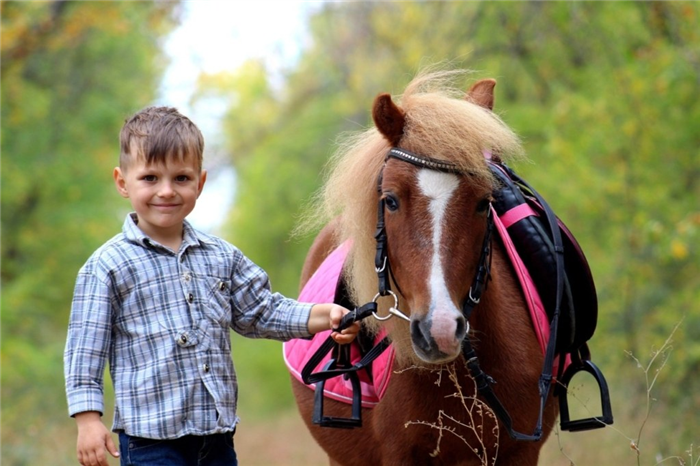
<point>190,237</point>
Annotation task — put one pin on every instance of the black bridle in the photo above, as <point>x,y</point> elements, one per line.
<point>476,290</point>
<point>381,259</point>
<point>339,365</point>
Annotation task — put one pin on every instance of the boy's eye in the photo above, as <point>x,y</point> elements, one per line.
<point>149,178</point>
<point>182,178</point>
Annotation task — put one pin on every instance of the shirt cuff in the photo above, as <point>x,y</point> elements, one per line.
<point>299,316</point>
<point>80,401</point>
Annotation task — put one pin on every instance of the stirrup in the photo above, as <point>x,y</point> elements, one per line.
<point>339,422</point>
<point>591,422</point>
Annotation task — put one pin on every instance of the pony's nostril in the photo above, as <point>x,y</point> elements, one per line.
<point>421,335</point>
<point>415,328</point>
<point>461,328</point>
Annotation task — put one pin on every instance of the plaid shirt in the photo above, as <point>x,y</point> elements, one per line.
<point>161,320</point>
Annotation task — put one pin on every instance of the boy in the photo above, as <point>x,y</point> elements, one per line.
<point>156,302</point>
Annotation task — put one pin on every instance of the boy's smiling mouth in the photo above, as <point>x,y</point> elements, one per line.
<point>165,206</point>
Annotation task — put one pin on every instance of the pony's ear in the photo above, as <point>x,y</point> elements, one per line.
<point>481,93</point>
<point>388,118</point>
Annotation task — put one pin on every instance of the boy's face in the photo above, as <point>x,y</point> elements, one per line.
<point>161,194</point>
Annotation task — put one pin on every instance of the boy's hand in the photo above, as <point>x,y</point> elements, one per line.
<point>346,336</point>
<point>93,440</point>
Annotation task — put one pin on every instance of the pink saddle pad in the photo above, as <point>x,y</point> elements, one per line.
<point>321,289</point>
<point>538,315</point>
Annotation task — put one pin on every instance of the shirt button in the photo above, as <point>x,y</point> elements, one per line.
<point>183,339</point>
<point>190,298</point>
<point>222,286</point>
<point>206,367</point>
<point>187,276</point>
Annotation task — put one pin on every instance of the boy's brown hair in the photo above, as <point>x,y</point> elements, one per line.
<point>159,133</point>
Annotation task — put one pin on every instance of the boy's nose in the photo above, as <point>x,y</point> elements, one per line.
<point>166,190</point>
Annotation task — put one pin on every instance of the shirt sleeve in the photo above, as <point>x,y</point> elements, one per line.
<point>87,344</point>
<point>260,313</point>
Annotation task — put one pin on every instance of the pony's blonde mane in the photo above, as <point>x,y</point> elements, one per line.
<point>440,123</point>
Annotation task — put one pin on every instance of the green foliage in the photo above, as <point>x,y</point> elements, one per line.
<point>263,379</point>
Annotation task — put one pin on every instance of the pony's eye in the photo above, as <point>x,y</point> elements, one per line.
<point>483,205</point>
<point>391,203</point>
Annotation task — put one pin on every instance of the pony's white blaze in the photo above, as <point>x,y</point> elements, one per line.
<point>439,188</point>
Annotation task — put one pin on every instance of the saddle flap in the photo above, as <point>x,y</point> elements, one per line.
<point>525,219</point>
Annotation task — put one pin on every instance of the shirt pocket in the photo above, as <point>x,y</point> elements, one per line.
<point>218,299</point>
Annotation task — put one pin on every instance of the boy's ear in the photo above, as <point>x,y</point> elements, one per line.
<point>120,182</point>
<point>202,180</point>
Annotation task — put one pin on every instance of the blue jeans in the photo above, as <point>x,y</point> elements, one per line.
<point>191,450</point>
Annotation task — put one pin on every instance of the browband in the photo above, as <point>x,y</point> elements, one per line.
<point>422,161</point>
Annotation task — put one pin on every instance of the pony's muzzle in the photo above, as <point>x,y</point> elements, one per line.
<point>438,340</point>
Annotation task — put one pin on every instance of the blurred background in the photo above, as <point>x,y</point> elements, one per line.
<point>605,96</point>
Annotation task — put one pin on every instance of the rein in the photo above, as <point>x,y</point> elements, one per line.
<point>339,363</point>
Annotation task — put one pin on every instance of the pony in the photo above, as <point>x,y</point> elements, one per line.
<point>436,222</point>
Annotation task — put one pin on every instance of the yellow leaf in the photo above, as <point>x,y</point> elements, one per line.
<point>679,250</point>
